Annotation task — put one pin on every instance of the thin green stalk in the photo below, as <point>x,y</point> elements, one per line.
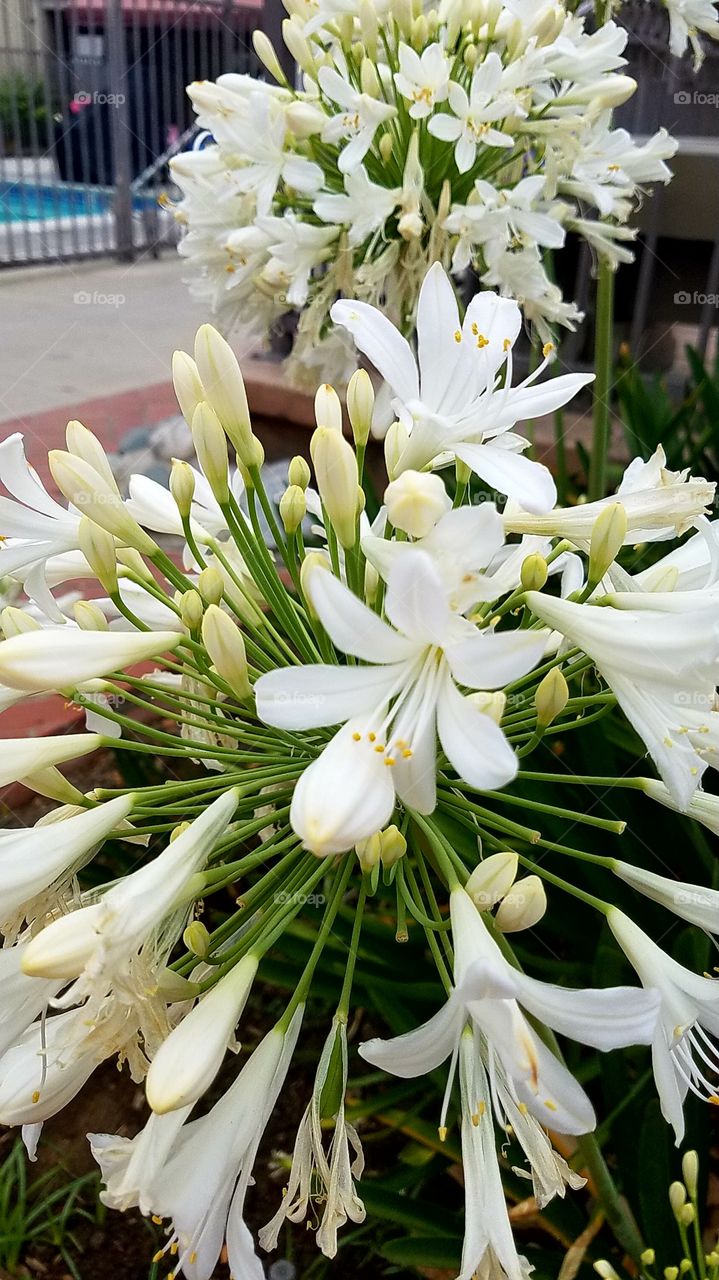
<point>603,354</point>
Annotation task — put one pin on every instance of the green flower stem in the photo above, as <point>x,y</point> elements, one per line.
<point>604,824</point>
<point>538,672</point>
<point>336,895</point>
<point>190,747</point>
<point>262,628</point>
<point>603,353</point>
<point>412,904</point>
<point>343,1005</point>
<point>263,570</point>
<point>453,800</point>
<point>442,962</point>
<point>598,903</point>
<point>438,847</point>
<point>588,780</point>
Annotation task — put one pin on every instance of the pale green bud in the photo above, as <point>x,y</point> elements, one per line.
<point>415,501</point>
<point>671,1273</point>
<point>523,906</point>
<point>358,52</point>
<point>88,617</point>
<point>470,56</point>
<point>648,1257</point>
<point>298,472</point>
<point>299,46</point>
<point>210,444</point>
<point>293,508</point>
<point>133,561</point>
<point>83,444</point>
<point>420,32</point>
<point>211,586</point>
<point>393,846</point>
<point>337,477</point>
<point>608,534</point>
<point>605,1270</point>
<point>369,852</point>
<point>188,385</point>
<point>191,610</point>
<point>16,622</point>
<point>182,485</point>
<point>197,939</point>
<point>265,51</point>
<point>492,879</point>
<point>224,387</point>
<point>551,697</point>
<point>328,409</point>
<point>677,1196</point>
<point>369,80</point>
<point>395,443</point>
<point>368,26</point>
<point>91,493</point>
<point>534,572</point>
<point>98,548</point>
<point>684,1266</point>
<point>360,405</point>
<point>686,1215</point>
<point>313,560</point>
<point>371,583</point>
<point>253,460</point>
<point>401,11</point>
<point>223,641</point>
<point>690,1172</point>
<point>386,147</point>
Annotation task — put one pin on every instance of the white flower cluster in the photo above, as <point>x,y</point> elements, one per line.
<point>333,719</point>
<point>478,135</point>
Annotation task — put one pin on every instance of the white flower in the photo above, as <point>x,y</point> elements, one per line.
<point>423,80</point>
<point>364,207</point>
<point>505,215</point>
<point>453,405</point>
<point>611,166</point>
<point>267,163</point>
<point>693,902</point>
<point>663,669</point>
<point>188,1060</point>
<point>359,121</point>
<point>686,19</point>
<point>97,943</point>
<point>474,116</point>
<point>23,998</point>
<point>29,662</point>
<point>295,248</point>
<point>683,1054</point>
<point>197,1174</point>
<point>318,1178</point>
<point>22,757</point>
<point>398,705</point>
<point>32,858</point>
<point>702,807</point>
<point>693,566</point>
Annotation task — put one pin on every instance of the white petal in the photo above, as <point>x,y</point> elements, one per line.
<point>351,625</point>
<point>532,402</point>
<point>437,324</point>
<point>416,600</point>
<point>346,795</point>
<point>377,338</point>
<point>608,1018</point>
<point>40,663</point>
<point>529,483</point>
<point>417,1052</point>
<point>415,779</point>
<point>24,756</point>
<point>490,660</point>
<point>471,535</point>
<point>316,696</point>
<point>474,745</point>
<point>558,1100</point>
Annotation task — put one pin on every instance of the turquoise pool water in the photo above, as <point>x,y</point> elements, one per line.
<point>29,202</point>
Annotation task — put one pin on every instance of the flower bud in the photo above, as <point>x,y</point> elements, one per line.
<point>313,560</point>
<point>420,32</point>
<point>360,405</point>
<point>523,907</point>
<point>211,446</point>
<point>395,443</point>
<point>534,572</point>
<point>648,1257</point>
<point>470,55</point>
<point>299,46</point>
<point>98,548</point>
<point>490,704</point>
<point>197,939</point>
<point>304,120</point>
<point>551,697</point>
<point>298,472</point>
<point>293,508</point>
<point>608,534</point>
<point>677,1196</point>
<point>371,583</point>
<point>492,879</point>
<point>265,51</point>
<point>224,387</point>
<point>211,586</point>
<point>415,501</point>
<point>182,485</point>
<point>690,1172</point>
<point>337,480</point>
<point>686,1215</point>
<point>605,1269</point>
<point>188,385</point>
<point>609,92</point>
<point>83,444</point>
<point>401,11</point>
<point>393,846</point>
<point>51,783</point>
<point>369,26</point>
<point>685,1265</point>
<point>16,622</point>
<point>671,1273</point>
<point>328,409</point>
<point>386,147</point>
<point>369,80</point>
<point>191,610</point>
<point>179,830</point>
<point>63,948</point>
<point>369,852</point>
<point>223,641</point>
<point>254,458</point>
<point>133,561</point>
<point>88,617</point>
<point>87,490</point>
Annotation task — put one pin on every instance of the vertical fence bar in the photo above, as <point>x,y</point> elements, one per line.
<point>119,129</point>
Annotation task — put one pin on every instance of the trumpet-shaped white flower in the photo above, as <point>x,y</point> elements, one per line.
<point>32,858</point>
<point>364,207</point>
<point>453,406</point>
<point>422,79</point>
<point>665,688</point>
<point>29,662</point>
<point>295,248</point>
<point>398,705</point>
<point>267,161</point>
<point>317,1175</point>
<point>693,902</point>
<point>475,115</point>
<point>22,757</point>
<point>97,943</point>
<point>683,1054</point>
<point>199,1176</point>
<point>23,998</point>
<point>702,807</point>
<point>504,216</point>
<point>693,566</point>
<point>359,120</point>
<point>686,19</point>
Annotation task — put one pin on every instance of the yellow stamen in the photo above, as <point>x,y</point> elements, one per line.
<point>442,1134</point>
<point>547,349</point>
<point>356,737</point>
<point>482,341</point>
<point>390,760</point>
<point>36,1096</point>
<point>458,335</point>
<point>552,1106</point>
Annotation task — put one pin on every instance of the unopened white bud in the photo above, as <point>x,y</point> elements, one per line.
<point>293,508</point>
<point>470,56</point>
<point>393,845</point>
<point>210,444</point>
<point>610,91</point>
<point>395,443</point>
<point>492,879</point>
<point>182,484</point>
<point>360,405</point>
<point>188,384</point>
<point>83,444</point>
<point>534,572</point>
<point>690,1172</point>
<point>299,46</point>
<point>17,622</point>
<point>401,11</point>
<point>337,480</point>
<point>265,51</point>
<point>88,617</point>
<point>224,387</point>
<point>98,548</point>
<point>223,641</point>
<point>551,697</point>
<point>304,120</point>
<point>87,490</point>
<point>369,80</point>
<point>328,409</point>
<point>191,610</point>
<point>415,501</point>
<point>386,147</point>
<point>313,560</point>
<point>369,852</point>
<point>677,1196</point>
<point>299,472</point>
<point>605,1270</point>
<point>523,907</point>
<point>134,563</point>
<point>608,534</point>
<point>210,585</point>
<point>369,26</point>
<point>490,704</point>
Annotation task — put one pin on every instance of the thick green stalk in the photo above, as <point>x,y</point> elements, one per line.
<point>603,353</point>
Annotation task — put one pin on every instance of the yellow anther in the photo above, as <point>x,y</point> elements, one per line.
<point>407,754</point>
<point>372,737</point>
<point>482,341</point>
<point>174,1247</point>
<point>157,1257</point>
<point>157,1220</point>
<point>552,1106</point>
<point>547,349</point>
<point>390,760</point>
<point>380,747</point>
<point>192,1258</point>
<point>442,1134</point>
<point>475,328</point>
<point>714,1100</point>
<point>506,344</point>
<point>522,1108</point>
<point>356,737</point>
<point>36,1096</point>
<point>458,335</point>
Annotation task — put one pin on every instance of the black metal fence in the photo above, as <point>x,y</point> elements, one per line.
<point>92,106</point>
